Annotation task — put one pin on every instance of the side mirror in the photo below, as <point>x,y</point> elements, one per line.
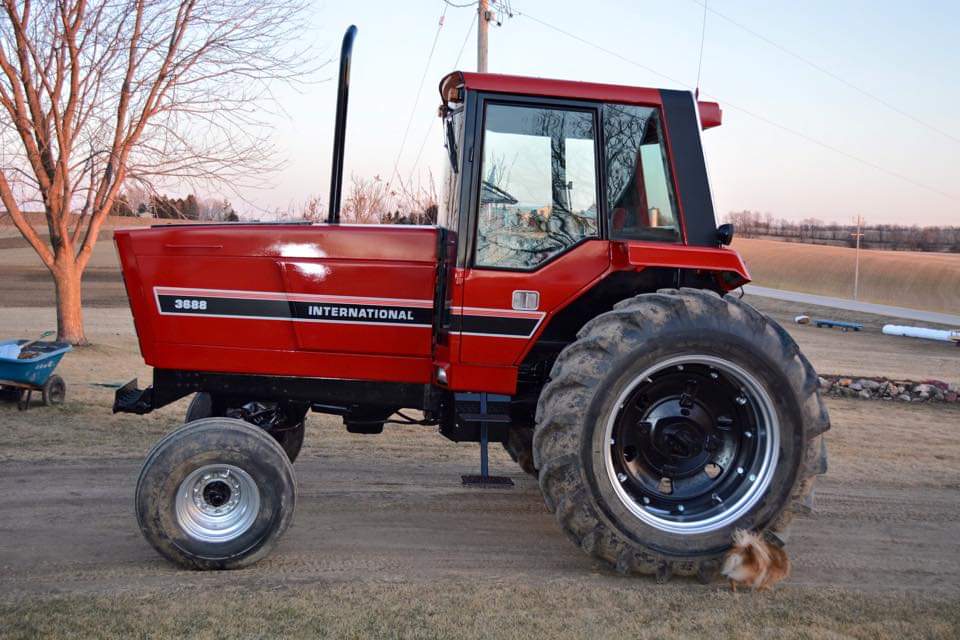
<point>451,144</point>
<point>725,234</point>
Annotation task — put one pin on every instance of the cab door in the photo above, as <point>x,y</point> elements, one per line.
<point>536,225</point>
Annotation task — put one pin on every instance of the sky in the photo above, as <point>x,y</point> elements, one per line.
<point>877,135</point>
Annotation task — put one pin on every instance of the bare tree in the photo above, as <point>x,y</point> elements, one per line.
<point>416,202</point>
<point>313,209</point>
<point>96,93</point>
<point>368,200</point>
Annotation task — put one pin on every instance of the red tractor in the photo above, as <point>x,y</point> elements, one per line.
<point>571,302</point>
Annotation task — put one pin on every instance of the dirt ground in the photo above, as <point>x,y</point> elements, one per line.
<point>386,542</point>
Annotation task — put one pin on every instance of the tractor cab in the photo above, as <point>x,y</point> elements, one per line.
<point>540,166</point>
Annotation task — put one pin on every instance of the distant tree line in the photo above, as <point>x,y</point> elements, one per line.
<point>135,202</point>
<point>753,224</point>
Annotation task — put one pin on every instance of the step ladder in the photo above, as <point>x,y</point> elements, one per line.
<point>485,419</point>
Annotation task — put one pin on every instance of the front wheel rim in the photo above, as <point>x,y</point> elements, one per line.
<point>217,503</point>
<point>692,444</point>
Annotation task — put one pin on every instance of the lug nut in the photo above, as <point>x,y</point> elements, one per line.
<point>741,400</point>
<point>622,477</point>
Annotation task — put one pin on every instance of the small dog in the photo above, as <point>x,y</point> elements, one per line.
<point>754,562</point>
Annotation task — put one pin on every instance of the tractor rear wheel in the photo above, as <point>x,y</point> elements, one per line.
<point>216,493</point>
<point>673,420</point>
<point>290,436</point>
<point>519,446</point>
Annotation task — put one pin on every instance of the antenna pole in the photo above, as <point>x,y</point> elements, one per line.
<point>703,37</point>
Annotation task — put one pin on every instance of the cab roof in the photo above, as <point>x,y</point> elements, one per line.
<point>453,83</point>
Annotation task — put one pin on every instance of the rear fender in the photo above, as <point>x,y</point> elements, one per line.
<point>725,264</point>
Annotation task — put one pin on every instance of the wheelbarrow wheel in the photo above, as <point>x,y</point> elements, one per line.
<point>54,391</point>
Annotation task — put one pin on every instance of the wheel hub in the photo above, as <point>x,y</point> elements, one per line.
<point>679,438</point>
<point>217,503</point>
<point>216,494</point>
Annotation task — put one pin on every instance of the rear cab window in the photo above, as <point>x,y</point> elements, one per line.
<point>640,198</point>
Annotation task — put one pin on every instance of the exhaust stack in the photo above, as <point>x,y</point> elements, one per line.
<point>340,128</point>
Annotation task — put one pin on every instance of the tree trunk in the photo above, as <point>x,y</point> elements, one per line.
<point>67,277</point>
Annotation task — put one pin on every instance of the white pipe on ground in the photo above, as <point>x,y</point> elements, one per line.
<point>921,332</point>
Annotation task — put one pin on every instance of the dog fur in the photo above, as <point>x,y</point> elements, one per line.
<point>754,562</point>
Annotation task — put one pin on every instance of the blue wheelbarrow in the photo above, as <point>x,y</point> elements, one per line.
<point>27,366</point>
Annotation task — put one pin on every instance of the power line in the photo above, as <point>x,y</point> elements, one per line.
<point>416,101</point>
<point>752,114</point>
<point>433,121</point>
<point>827,72</point>
<point>839,151</point>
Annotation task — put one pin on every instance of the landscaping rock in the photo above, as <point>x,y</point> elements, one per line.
<point>885,389</point>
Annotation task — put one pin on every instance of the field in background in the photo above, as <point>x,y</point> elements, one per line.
<point>929,281</point>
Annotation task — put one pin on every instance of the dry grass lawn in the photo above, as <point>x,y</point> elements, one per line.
<point>469,609</point>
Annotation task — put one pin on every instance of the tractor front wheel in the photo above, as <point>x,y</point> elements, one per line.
<point>215,494</point>
<point>674,420</point>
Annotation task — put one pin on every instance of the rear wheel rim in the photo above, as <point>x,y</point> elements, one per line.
<point>217,503</point>
<point>692,444</point>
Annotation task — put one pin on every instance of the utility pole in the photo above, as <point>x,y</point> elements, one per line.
<point>856,268</point>
<point>483,29</point>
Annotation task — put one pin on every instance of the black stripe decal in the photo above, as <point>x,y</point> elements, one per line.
<point>293,310</point>
<point>266,309</point>
<point>494,325</point>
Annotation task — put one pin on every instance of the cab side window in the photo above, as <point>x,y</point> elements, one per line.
<point>639,190</point>
<point>538,189</point>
